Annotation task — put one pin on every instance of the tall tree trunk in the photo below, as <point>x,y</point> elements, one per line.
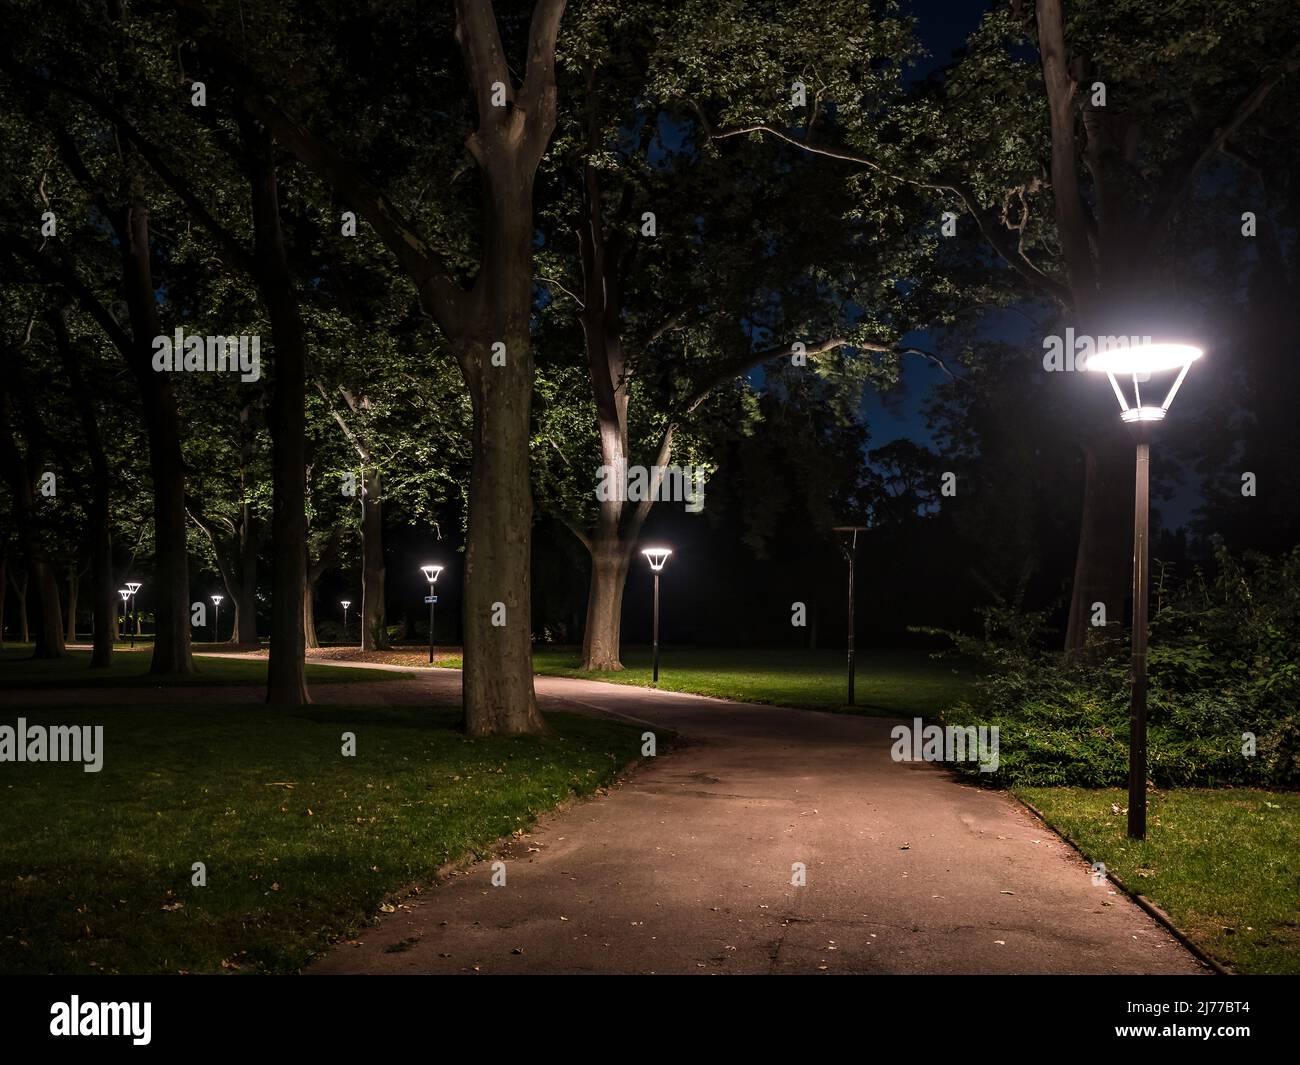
<point>98,508</point>
<point>244,592</point>
<point>49,617</point>
<point>507,144</point>
<point>286,671</point>
<point>4,592</point>
<point>70,636</point>
<point>171,580</point>
<point>1105,537</point>
<point>498,669</point>
<point>309,615</point>
<point>20,589</point>
<point>611,558</point>
<point>40,575</point>
<point>374,636</point>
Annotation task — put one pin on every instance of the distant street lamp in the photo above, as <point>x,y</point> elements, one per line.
<point>656,556</point>
<point>133,587</point>
<point>346,603</point>
<point>125,593</point>
<point>431,575</point>
<point>849,545</point>
<point>1139,362</point>
<point>216,617</point>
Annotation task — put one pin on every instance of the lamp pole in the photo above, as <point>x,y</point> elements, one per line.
<point>126,595</point>
<point>346,603</point>
<point>656,556</point>
<point>849,545</point>
<point>133,587</point>
<point>216,617</point>
<point>1137,730</point>
<point>1140,361</point>
<point>431,572</point>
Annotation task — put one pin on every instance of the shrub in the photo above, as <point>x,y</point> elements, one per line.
<point>1224,660</point>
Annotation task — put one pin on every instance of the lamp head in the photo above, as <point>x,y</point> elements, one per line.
<point>346,603</point>
<point>431,572</point>
<point>133,586</point>
<point>125,593</point>
<point>1139,362</point>
<point>217,599</point>
<point>657,556</point>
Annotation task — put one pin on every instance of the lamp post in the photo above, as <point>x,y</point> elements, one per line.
<point>346,603</point>
<point>216,617</point>
<point>1139,362</point>
<point>133,587</point>
<point>849,545</point>
<point>125,594</point>
<point>656,556</point>
<point>431,575</point>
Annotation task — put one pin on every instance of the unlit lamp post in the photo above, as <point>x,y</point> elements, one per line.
<point>431,575</point>
<point>216,617</point>
<point>1138,363</point>
<point>133,587</point>
<point>656,556</point>
<point>849,545</point>
<point>345,604</point>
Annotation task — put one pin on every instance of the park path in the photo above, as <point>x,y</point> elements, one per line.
<point>685,866</point>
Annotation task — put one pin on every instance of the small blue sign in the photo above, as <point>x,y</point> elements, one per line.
<point>430,598</point>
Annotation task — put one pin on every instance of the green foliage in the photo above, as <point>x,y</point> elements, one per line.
<point>1222,663</point>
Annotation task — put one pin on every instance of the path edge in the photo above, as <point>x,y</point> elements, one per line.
<point>1150,907</point>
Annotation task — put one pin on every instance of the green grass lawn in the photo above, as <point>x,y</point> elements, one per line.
<point>301,844</point>
<point>19,670</point>
<point>1224,864</point>
<point>888,681</point>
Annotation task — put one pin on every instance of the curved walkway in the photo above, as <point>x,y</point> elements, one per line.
<point>686,866</point>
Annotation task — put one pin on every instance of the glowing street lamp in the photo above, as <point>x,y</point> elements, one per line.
<point>133,587</point>
<point>216,616</point>
<point>346,603</point>
<point>431,575</point>
<point>849,545</point>
<point>125,593</point>
<point>1138,363</point>
<point>656,556</point>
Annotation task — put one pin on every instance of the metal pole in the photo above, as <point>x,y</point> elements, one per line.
<point>216,623</point>
<point>852,619</point>
<point>1137,736</point>
<point>430,626</point>
<point>656,635</point>
<point>135,620</point>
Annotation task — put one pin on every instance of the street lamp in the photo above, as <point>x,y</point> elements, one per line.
<point>1139,362</point>
<point>216,616</point>
<point>431,575</point>
<point>849,545</point>
<point>125,593</point>
<point>133,587</point>
<point>656,556</point>
<point>346,603</point>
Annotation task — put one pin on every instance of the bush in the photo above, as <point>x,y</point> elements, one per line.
<point>1224,660</point>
